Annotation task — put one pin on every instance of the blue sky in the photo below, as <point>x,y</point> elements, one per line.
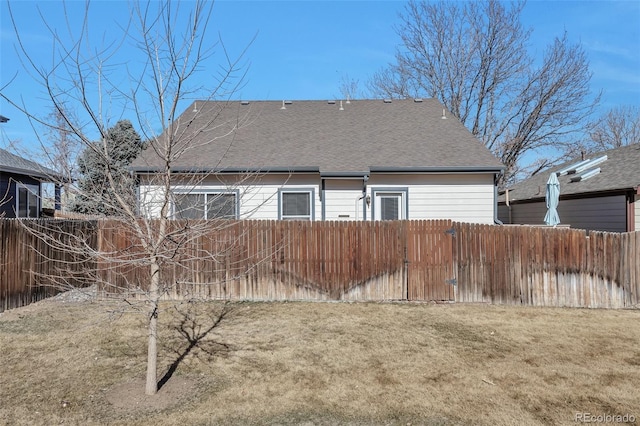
<point>303,49</point>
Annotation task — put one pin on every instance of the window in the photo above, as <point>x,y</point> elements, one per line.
<point>222,205</point>
<point>296,204</point>
<point>389,204</point>
<point>27,200</point>
<point>206,205</point>
<point>390,207</point>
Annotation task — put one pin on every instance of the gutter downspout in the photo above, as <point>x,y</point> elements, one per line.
<point>365,179</point>
<point>323,209</point>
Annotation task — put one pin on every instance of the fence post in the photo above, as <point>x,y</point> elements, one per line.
<point>407,233</point>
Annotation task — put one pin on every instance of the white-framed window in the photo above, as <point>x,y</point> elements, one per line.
<point>390,203</point>
<point>205,205</point>
<point>296,204</point>
<point>27,200</point>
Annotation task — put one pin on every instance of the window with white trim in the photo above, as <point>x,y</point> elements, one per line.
<point>389,204</point>
<point>27,200</point>
<point>205,205</point>
<point>296,204</point>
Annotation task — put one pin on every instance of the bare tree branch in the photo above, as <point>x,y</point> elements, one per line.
<point>88,92</point>
<point>473,58</point>
<point>618,127</point>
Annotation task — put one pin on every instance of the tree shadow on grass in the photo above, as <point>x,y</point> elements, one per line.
<point>194,327</point>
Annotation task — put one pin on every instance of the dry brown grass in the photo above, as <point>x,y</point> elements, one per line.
<point>321,363</point>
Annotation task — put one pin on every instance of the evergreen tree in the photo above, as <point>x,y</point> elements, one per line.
<point>103,171</point>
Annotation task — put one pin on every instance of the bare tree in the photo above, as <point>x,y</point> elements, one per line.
<point>104,84</point>
<point>472,56</point>
<point>62,150</point>
<point>618,127</point>
<point>349,89</point>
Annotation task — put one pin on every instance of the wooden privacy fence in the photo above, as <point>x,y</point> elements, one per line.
<point>277,260</point>
<point>295,260</point>
<point>403,260</point>
<point>547,266</point>
<point>32,264</point>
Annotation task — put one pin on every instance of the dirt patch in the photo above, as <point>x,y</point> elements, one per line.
<point>130,396</point>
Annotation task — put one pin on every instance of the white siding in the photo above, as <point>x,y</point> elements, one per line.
<point>341,199</point>
<point>460,197</point>
<point>596,213</point>
<point>260,199</point>
<point>258,194</point>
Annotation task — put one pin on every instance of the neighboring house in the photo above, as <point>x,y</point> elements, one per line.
<point>21,186</point>
<point>600,192</point>
<point>326,160</point>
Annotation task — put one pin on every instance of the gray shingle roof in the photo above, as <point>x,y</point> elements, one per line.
<point>621,171</point>
<point>15,164</point>
<point>366,135</point>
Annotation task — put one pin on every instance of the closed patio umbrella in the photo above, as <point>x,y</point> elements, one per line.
<point>552,196</point>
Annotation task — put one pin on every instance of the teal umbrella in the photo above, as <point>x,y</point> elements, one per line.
<point>553,197</point>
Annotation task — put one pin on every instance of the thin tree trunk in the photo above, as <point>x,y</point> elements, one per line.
<point>151,387</point>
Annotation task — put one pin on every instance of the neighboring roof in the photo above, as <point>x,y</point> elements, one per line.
<point>326,136</point>
<point>12,163</point>
<point>619,172</point>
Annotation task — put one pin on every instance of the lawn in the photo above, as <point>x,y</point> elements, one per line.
<point>319,364</point>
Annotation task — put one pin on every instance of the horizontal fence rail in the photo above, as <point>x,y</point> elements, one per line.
<point>437,260</point>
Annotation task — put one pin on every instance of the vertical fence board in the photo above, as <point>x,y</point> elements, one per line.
<point>275,260</point>
<point>429,253</point>
<point>547,267</point>
<point>32,266</point>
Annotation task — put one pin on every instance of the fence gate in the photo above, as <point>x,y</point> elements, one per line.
<point>430,261</point>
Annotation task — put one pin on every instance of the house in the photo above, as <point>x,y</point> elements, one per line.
<point>21,186</point>
<point>599,192</point>
<point>324,160</point>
